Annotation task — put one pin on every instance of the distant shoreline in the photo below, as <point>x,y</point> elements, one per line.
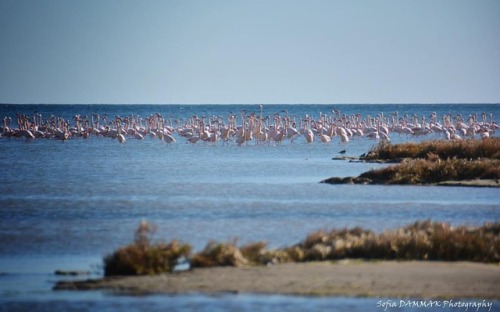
<point>354,278</point>
<point>468,183</point>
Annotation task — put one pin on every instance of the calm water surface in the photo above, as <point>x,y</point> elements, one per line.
<point>64,206</point>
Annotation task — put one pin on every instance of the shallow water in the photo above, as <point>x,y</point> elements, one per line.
<point>65,205</point>
<point>227,302</point>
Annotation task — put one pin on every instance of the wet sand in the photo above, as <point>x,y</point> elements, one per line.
<point>417,279</point>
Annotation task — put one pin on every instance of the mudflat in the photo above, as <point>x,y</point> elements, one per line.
<point>417,279</point>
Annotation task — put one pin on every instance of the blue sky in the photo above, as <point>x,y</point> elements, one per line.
<point>232,51</point>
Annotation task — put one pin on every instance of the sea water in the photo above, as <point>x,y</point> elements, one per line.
<point>66,205</point>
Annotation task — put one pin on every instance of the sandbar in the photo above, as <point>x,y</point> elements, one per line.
<point>354,278</point>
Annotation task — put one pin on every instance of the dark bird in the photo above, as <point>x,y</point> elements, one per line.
<point>342,152</point>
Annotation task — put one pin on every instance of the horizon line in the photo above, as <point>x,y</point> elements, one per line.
<point>378,103</point>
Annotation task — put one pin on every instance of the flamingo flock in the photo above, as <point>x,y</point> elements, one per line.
<point>250,127</point>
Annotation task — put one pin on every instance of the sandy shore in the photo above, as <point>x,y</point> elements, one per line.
<point>416,279</point>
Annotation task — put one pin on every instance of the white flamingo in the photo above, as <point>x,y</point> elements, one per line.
<point>308,133</point>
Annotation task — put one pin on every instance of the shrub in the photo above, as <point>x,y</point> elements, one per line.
<point>144,258</point>
<point>256,253</point>
<point>219,254</point>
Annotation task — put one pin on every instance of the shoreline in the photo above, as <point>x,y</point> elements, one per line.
<point>352,278</point>
<point>462,183</point>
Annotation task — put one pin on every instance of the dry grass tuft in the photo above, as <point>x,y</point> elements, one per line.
<point>144,258</point>
<point>256,253</point>
<point>219,254</point>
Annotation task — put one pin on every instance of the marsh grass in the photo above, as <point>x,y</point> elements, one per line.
<point>256,253</point>
<point>144,258</point>
<point>219,254</point>
<point>422,171</point>
<point>462,149</point>
<point>432,162</point>
<point>422,240</point>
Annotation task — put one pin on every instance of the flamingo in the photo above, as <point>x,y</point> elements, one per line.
<point>119,135</point>
<point>121,138</point>
<point>169,138</point>
<point>254,126</point>
<point>455,136</point>
<point>62,135</point>
<point>323,136</point>
<point>308,133</point>
<point>342,133</point>
<point>26,133</point>
<point>214,136</point>
<point>193,139</point>
<point>138,136</point>
<point>226,133</point>
<point>240,135</point>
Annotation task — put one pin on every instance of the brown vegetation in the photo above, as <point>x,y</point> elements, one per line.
<point>144,258</point>
<point>423,240</point>
<point>219,254</point>
<point>432,162</point>
<point>462,149</point>
<point>423,171</point>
